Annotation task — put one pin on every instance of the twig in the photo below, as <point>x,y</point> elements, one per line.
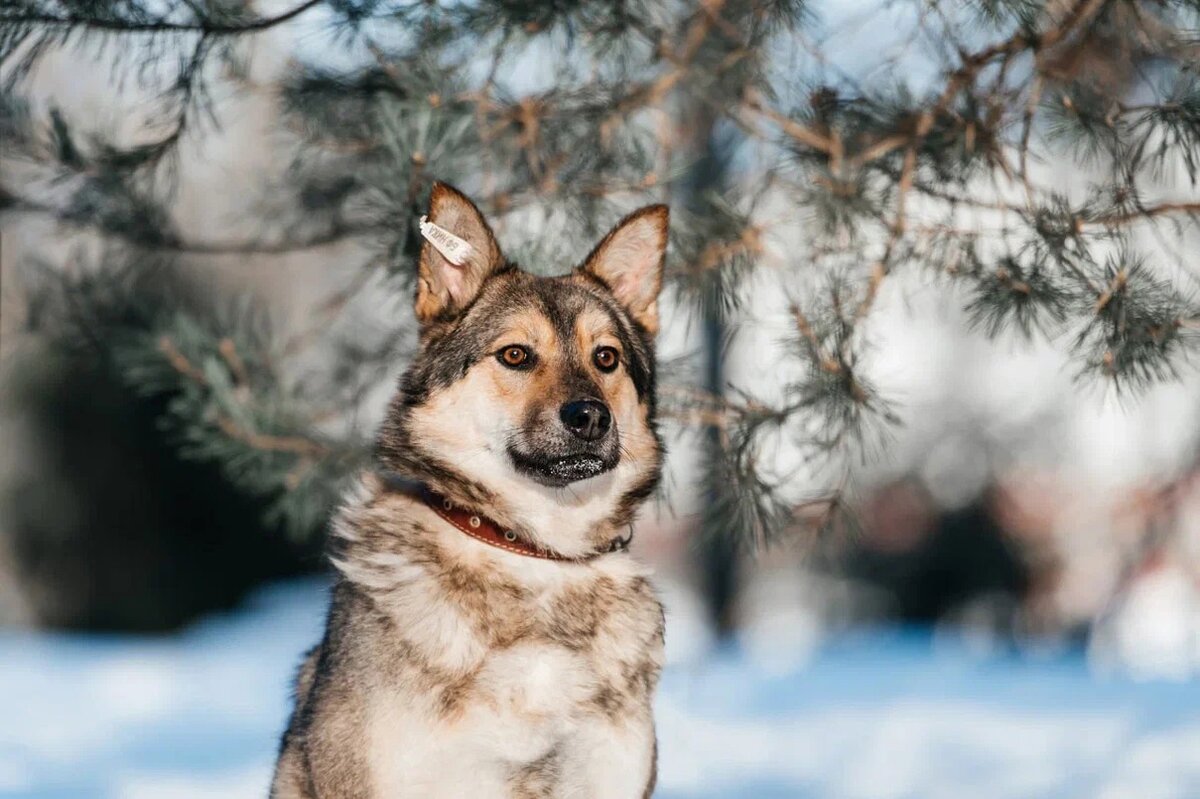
<point>826,361</point>
<point>1117,283</point>
<point>179,361</point>
<point>1113,220</point>
<point>236,365</point>
<point>801,133</point>
<point>883,266</point>
<point>296,445</point>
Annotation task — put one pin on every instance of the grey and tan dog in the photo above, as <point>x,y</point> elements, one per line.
<point>488,635</point>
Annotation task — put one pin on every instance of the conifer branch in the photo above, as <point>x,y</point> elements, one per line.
<point>116,24</point>
<point>293,445</point>
<point>1190,209</point>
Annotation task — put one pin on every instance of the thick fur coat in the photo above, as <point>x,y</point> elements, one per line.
<point>452,668</point>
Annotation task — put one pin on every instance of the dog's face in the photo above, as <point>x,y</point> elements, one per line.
<point>532,397</point>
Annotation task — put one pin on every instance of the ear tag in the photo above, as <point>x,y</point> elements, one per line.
<point>452,248</point>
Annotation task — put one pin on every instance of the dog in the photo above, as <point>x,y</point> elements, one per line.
<point>489,635</point>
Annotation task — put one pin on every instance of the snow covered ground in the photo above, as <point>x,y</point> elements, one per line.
<point>879,715</point>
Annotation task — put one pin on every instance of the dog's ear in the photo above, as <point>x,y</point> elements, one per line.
<point>450,275</point>
<point>629,260</point>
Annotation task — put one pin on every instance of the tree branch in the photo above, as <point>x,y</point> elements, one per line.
<point>1113,220</point>
<point>159,25</point>
<point>335,235</point>
<point>265,442</point>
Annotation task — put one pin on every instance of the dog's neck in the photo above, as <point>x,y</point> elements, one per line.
<point>574,525</point>
<point>478,525</point>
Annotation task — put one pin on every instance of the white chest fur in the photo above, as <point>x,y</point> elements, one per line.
<point>498,675</point>
<point>532,707</point>
<point>527,703</point>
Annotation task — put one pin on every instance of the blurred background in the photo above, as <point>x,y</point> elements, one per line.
<point>931,522</point>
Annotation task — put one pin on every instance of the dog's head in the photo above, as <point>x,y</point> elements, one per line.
<point>531,398</point>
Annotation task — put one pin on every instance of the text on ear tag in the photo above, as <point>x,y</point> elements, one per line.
<point>452,248</point>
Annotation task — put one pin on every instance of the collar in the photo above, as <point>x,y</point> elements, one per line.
<point>481,528</point>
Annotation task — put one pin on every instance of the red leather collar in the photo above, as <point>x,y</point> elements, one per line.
<point>481,528</point>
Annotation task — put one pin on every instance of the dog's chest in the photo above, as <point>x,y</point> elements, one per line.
<point>559,654</point>
<point>551,670</point>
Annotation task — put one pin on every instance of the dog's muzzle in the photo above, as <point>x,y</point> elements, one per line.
<point>559,471</point>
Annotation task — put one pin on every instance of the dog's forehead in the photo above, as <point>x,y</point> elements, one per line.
<point>549,307</point>
<point>523,324</point>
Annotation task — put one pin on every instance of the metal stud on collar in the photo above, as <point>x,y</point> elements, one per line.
<point>474,521</point>
<point>447,504</point>
<point>509,535</point>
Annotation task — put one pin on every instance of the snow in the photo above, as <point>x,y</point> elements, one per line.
<point>869,714</point>
<point>1154,628</point>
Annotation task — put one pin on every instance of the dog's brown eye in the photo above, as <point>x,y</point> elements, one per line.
<point>514,356</point>
<point>606,359</point>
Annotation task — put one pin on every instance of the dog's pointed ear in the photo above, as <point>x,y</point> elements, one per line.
<point>629,260</point>
<point>451,274</point>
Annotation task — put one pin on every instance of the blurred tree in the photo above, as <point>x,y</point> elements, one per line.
<point>933,564</point>
<point>109,527</point>
<point>560,115</point>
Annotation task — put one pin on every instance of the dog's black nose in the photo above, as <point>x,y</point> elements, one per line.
<point>587,419</point>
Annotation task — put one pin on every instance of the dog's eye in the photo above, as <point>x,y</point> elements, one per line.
<point>514,356</point>
<point>606,358</point>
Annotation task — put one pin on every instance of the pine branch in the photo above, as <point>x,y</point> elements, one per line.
<point>265,442</point>
<point>1190,209</point>
<point>171,243</point>
<point>790,127</point>
<point>159,25</point>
